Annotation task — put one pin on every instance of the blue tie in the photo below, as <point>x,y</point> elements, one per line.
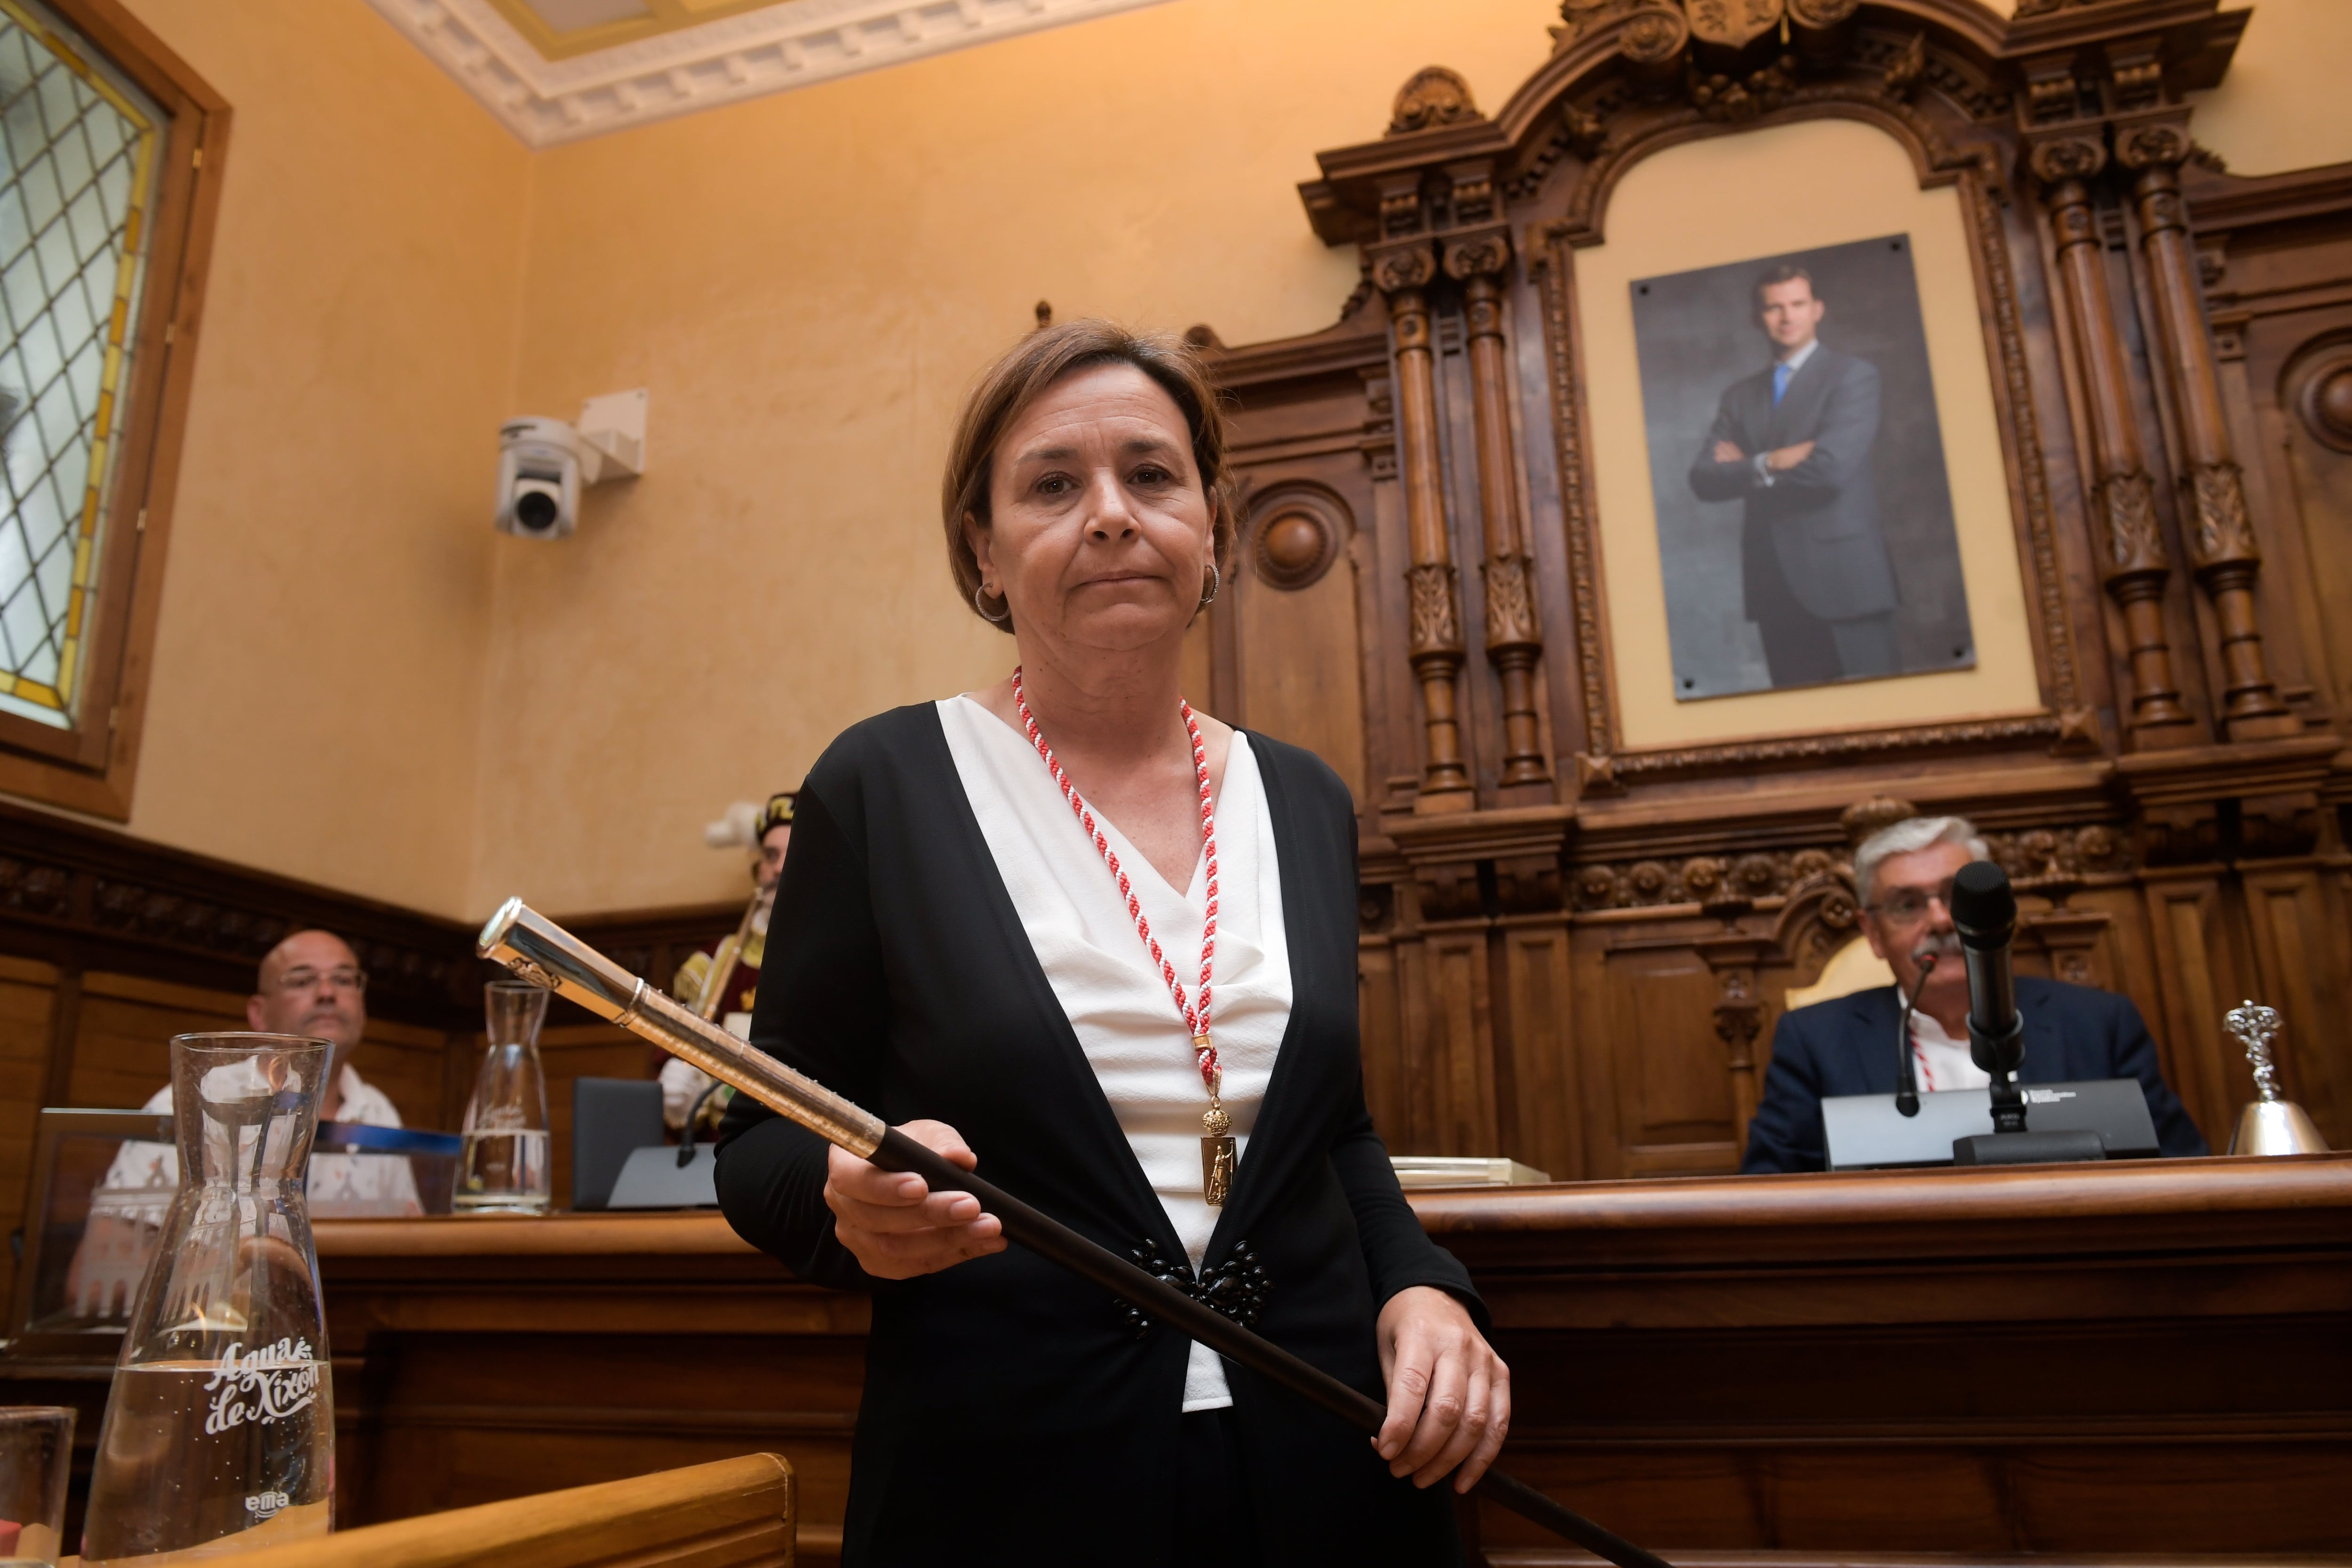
<point>1781,374</point>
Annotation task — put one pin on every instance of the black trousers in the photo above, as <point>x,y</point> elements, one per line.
<point>1213,1513</point>
<point>1801,649</point>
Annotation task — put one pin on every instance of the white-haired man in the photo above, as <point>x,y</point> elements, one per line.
<point>1902,875</point>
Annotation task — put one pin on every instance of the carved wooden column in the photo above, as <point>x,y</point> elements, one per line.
<point>2131,550</point>
<point>1404,275</point>
<point>1514,643</point>
<point>2212,488</point>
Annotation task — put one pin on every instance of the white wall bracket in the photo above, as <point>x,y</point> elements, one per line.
<point>612,436</point>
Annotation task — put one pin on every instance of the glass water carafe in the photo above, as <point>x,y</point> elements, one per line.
<point>504,1166</point>
<point>220,1427</point>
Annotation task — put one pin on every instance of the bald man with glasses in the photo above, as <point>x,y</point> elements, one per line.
<point>2073,1034</point>
<point>312,984</point>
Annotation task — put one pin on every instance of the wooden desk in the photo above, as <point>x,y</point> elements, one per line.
<point>2138,1358</point>
<point>478,1359</point>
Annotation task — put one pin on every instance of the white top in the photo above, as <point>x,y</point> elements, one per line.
<point>346,1184</point>
<point>1943,1062</point>
<point>1118,1004</point>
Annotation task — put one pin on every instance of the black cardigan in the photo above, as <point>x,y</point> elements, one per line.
<point>1010,1414</point>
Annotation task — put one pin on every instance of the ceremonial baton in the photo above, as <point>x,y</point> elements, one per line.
<point>540,951</point>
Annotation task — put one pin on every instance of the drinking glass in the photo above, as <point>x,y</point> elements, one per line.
<point>36,1457</point>
<point>503,1168</point>
<point>221,1421</point>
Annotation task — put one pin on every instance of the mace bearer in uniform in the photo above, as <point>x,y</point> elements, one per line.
<point>721,981</point>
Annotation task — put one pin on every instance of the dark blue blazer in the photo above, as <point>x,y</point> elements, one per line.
<point>1846,1046</point>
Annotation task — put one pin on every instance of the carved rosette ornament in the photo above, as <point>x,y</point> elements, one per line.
<point>1652,38</point>
<point>1435,96</point>
<point>1652,33</point>
<point>1483,256</point>
<point>1412,267</point>
<point>2152,146</point>
<point>2067,158</point>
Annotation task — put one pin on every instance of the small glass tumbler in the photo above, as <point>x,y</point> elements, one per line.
<point>35,1457</point>
<point>503,1168</point>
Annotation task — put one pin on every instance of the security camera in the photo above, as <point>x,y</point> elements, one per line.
<point>542,463</point>
<point>538,479</point>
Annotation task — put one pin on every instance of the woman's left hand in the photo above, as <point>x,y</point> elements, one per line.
<point>1449,1392</point>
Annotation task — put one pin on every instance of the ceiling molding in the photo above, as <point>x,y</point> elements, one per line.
<point>749,54</point>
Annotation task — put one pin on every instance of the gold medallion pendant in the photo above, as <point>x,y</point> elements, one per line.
<point>1217,1155</point>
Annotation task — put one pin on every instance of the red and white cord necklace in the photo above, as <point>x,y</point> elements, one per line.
<point>1217,1148</point>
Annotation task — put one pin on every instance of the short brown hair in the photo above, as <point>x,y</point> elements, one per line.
<point>1024,374</point>
<point>1783,273</point>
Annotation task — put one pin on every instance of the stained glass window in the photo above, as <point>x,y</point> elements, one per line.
<point>80,149</point>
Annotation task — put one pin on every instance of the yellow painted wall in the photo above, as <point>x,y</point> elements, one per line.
<point>360,684</point>
<point>2281,107</point>
<point>326,607</point>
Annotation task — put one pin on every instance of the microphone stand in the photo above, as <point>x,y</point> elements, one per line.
<point>538,949</point>
<point>1907,1074</point>
<point>1984,913</point>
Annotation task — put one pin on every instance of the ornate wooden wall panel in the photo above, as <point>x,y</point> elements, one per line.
<point>2294,914</point>
<point>1536,1093</point>
<point>1294,604</point>
<point>2198,981</point>
<point>27,1002</point>
<point>1673,1098</point>
<point>1449,1071</point>
<point>2171,353</point>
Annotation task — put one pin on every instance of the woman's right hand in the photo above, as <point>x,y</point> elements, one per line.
<point>892,1222</point>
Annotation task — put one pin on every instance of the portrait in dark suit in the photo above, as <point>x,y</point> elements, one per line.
<point>1804,520</point>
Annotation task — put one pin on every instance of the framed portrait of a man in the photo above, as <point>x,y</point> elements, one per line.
<point>1805,514</point>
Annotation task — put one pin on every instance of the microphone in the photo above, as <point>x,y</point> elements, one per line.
<point>1907,1074</point>
<point>1984,912</point>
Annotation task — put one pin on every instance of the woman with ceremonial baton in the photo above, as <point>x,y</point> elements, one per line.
<point>1111,943</point>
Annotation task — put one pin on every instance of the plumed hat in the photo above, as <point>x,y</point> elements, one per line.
<point>777,813</point>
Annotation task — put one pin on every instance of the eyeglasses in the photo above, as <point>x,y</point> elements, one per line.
<point>344,978</point>
<point>1908,906</point>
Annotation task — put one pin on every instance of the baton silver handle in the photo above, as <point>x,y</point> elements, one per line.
<point>538,949</point>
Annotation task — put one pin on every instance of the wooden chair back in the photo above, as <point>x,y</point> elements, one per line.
<point>1852,968</point>
<point>733,1513</point>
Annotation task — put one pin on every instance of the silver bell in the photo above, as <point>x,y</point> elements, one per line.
<point>2269,1125</point>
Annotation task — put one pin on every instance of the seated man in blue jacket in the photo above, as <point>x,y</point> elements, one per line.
<point>1902,876</point>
